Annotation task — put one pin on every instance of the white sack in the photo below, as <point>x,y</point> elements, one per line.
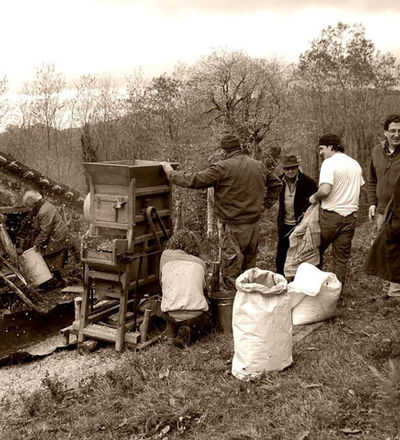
<point>262,327</point>
<point>304,242</point>
<point>313,295</point>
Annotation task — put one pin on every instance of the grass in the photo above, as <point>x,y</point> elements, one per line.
<point>344,383</point>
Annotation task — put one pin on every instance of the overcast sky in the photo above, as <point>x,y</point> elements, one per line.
<point>117,36</point>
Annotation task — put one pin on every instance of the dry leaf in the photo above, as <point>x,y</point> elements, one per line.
<point>164,374</point>
<point>302,435</point>
<point>164,431</point>
<point>312,385</point>
<point>351,431</point>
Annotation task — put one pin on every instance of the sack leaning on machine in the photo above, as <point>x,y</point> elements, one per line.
<point>313,295</point>
<point>262,325</point>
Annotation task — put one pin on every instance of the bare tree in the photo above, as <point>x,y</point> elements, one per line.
<point>4,103</point>
<point>46,109</point>
<point>241,94</point>
<point>344,83</point>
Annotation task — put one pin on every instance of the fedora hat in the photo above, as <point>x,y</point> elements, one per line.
<point>290,161</point>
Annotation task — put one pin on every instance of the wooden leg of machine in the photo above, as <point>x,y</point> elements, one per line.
<point>83,321</point>
<point>144,327</point>
<point>120,337</point>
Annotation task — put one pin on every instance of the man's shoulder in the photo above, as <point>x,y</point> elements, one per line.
<point>350,161</point>
<point>238,159</point>
<point>378,148</point>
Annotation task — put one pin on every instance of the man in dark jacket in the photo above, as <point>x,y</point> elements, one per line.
<point>48,234</point>
<point>293,203</point>
<point>384,257</point>
<point>243,189</point>
<point>383,172</point>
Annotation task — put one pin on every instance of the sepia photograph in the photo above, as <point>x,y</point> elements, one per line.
<point>200,220</point>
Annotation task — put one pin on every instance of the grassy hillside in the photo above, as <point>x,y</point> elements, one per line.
<point>344,383</point>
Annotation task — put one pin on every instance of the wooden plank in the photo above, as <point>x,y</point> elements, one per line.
<point>83,321</point>
<point>73,289</point>
<point>151,190</point>
<point>21,295</point>
<point>97,331</point>
<point>109,334</point>
<point>110,225</point>
<point>104,275</point>
<point>114,174</point>
<point>111,190</point>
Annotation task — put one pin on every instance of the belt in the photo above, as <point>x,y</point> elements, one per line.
<point>353,214</point>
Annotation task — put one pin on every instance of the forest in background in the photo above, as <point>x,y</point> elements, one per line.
<point>341,84</point>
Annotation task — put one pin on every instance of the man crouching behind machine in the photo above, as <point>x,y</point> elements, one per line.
<point>184,305</point>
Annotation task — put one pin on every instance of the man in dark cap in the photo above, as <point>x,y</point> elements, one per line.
<point>340,181</point>
<point>293,203</point>
<point>243,189</point>
<point>48,233</point>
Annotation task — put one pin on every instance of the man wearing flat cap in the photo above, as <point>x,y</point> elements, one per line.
<point>243,188</point>
<point>340,180</point>
<point>293,203</point>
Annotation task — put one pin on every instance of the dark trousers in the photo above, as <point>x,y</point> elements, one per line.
<point>199,326</point>
<point>239,246</point>
<point>283,246</point>
<point>337,230</point>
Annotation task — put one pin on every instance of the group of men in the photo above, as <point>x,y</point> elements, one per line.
<point>243,188</point>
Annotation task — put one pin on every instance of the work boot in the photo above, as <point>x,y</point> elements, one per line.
<point>170,333</point>
<point>183,338</point>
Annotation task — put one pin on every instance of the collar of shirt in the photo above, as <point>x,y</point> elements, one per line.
<point>387,150</point>
<point>291,184</point>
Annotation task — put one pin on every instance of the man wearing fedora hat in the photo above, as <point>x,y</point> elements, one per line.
<point>293,203</point>
<point>243,188</point>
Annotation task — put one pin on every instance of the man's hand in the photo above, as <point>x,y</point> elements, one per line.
<point>371,212</point>
<point>167,168</point>
<point>313,200</point>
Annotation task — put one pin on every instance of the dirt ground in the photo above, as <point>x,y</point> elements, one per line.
<point>68,366</point>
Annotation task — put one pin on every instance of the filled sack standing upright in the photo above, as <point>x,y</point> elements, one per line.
<point>313,295</point>
<point>262,325</point>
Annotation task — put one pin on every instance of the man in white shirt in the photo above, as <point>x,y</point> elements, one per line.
<point>339,192</point>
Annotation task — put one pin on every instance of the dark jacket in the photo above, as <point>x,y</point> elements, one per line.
<point>305,187</point>
<point>50,230</point>
<point>243,187</point>
<point>384,169</point>
<point>384,257</point>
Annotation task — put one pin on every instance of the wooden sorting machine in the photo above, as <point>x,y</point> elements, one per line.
<point>130,218</point>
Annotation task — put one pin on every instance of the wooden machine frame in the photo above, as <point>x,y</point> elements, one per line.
<point>130,217</point>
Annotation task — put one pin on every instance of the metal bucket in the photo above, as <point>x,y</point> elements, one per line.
<point>221,308</point>
<point>35,266</point>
